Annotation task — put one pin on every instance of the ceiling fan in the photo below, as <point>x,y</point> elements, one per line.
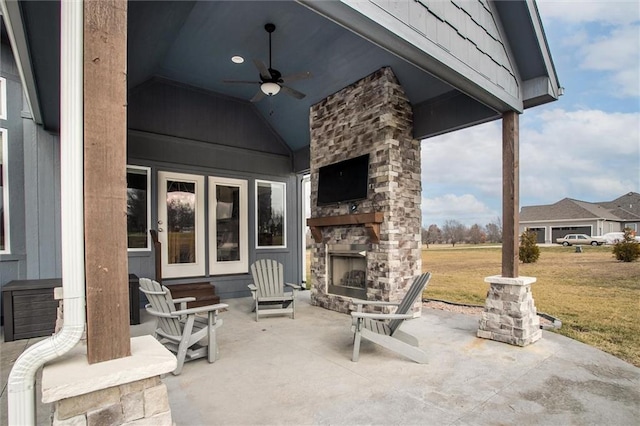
<point>271,80</point>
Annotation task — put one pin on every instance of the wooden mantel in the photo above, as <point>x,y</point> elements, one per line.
<point>371,221</point>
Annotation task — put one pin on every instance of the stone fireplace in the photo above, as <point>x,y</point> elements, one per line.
<point>382,232</point>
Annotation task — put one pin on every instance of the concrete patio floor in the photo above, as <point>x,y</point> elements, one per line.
<point>294,372</point>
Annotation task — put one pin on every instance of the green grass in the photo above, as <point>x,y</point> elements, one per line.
<point>596,297</point>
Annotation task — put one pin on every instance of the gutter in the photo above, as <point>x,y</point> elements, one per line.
<point>21,383</point>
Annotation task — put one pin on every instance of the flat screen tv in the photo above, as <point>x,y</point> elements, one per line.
<point>344,181</point>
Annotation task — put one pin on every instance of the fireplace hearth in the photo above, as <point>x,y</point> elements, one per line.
<point>347,270</point>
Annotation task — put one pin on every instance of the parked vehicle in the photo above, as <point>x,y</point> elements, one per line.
<point>613,237</point>
<point>571,239</point>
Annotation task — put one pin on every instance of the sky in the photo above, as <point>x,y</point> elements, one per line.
<point>584,146</point>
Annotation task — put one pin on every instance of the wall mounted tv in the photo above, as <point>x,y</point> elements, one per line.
<point>346,180</point>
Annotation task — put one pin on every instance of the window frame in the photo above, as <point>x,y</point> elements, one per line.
<point>147,170</point>
<point>284,215</point>
<point>241,266</point>
<point>4,139</point>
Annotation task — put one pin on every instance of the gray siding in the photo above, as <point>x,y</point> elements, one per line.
<point>13,265</point>
<point>182,129</point>
<point>464,35</point>
<point>167,108</point>
<point>42,202</point>
<point>227,286</point>
<point>34,188</point>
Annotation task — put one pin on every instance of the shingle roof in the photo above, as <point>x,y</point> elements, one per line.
<point>627,206</point>
<point>624,208</point>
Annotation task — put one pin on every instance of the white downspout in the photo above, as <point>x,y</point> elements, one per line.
<point>21,383</point>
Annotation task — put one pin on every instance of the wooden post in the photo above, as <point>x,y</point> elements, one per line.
<point>105,153</point>
<point>510,193</point>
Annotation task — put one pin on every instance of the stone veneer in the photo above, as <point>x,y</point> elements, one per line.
<point>372,116</point>
<point>144,402</point>
<point>509,313</point>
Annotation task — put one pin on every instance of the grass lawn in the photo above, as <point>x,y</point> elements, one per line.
<point>596,297</point>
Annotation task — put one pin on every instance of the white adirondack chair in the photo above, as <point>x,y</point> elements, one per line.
<point>383,329</point>
<point>268,289</point>
<point>180,330</point>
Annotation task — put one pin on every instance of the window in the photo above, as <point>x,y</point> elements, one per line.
<point>270,214</point>
<point>3,98</point>
<point>138,208</point>
<point>228,227</point>
<point>4,199</point>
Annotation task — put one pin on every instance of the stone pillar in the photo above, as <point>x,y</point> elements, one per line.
<point>123,391</point>
<point>509,313</point>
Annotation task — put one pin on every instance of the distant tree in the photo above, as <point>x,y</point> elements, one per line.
<point>453,232</point>
<point>528,252</point>
<point>476,235</point>
<point>494,231</point>
<point>431,235</point>
<point>628,249</point>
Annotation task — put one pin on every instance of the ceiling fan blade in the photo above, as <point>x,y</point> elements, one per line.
<point>241,82</point>
<point>296,77</point>
<point>258,96</point>
<point>292,92</point>
<point>264,71</point>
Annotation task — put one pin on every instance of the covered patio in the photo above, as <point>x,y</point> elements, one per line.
<point>179,111</point>
<point>283,371</point>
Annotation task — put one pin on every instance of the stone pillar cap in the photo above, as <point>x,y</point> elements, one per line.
<point>499,279</point>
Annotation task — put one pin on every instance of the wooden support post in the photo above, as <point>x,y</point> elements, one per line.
<point>510,193</point>
<point>105,154</point>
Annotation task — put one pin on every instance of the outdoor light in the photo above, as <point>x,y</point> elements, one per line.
<point>270,88</point>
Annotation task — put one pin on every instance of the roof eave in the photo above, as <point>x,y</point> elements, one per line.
<point>544,89</point>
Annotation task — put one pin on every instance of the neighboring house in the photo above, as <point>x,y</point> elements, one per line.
<point>569,216</point>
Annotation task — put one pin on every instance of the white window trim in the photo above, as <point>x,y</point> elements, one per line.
<point>284,214</point>
<point>3,98</point>
<point>180,270</point>
<point>228,267</point>
<point>148,172</point>
<point>5,191</point>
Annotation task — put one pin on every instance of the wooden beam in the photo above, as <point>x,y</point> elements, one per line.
<point>371,222</point>
<point>510,193</point>
<point>105,159</point>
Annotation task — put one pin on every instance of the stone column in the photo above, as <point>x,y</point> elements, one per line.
<point>372,116</point>
<point>509,313</point>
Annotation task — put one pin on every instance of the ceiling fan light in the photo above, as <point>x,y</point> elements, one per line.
<point>270,88</point>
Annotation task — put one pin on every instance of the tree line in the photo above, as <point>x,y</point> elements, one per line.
<point>454,232</point>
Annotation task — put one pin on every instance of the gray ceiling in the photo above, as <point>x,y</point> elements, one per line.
<point>193,42</point>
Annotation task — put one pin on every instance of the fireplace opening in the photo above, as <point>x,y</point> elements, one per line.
<point>348,270</point>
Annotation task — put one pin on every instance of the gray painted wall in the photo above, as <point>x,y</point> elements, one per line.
<point>181,129</point>
<point>34,188</point>
<point>194,162</point>
<point>189,140</point>
<point>13,265</point>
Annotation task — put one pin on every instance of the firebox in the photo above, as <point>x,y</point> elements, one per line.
<point>347,275</point>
